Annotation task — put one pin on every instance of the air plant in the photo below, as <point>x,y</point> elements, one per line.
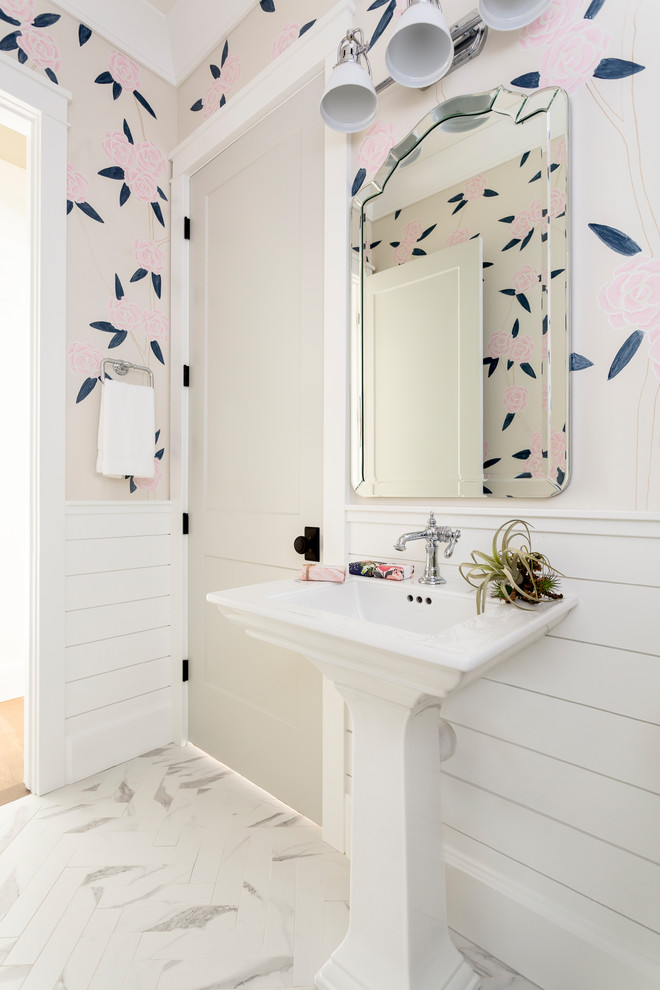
<point>517,573</point>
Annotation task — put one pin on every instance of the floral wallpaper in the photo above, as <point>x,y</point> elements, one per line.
<point>121,129</point>
<point>512,211</point>
<point>602,52</point>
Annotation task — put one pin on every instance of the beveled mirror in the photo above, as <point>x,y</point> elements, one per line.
<point>460,304</point>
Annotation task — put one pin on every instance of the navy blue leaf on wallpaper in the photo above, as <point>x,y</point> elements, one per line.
<point>593,9</point>
<point>85,389</point>
<point>530,80</point>
<point>527,368</point>
<point>615,239</point>
<point>51,75</point>
<point>159,213</point>
<point>536,177</point>
<point>508,292</point>
<point>512,243</point>
<point>127,132</point>
<point>104,78</point>
<point>487,491</point>
<point>45,20</point>
<point>545,324</point>
<point>89,211</point>
<point>116,90</point>
<point>155,347</point>
<point>21,56</point>
<point>456,198</point>
<point>490,462</point>
<point>527,239</point>
<point>104,326</point>
<point>426,233</point>
<point>418,252</point>
<point>118,338</point>
<point>69,206</point>
<point>157,435</point>
<point>225,53</point>
<point>515,328</point>
<point>490,192</point>
<point>8,19</point>
<point>509,365</point>
<point>139,274</point>
<point>215,71</point>
<point>383,22</point>
<point>397,214</point>
<point>124,194</point>
<point>305,28</point>
<point>9,43</point>
<point>625,353</point>
<point>140,98</point>
<point>112,172</point>
<point>360,176</point>
<point>524,158</point>
<point>268,6</point>
<point>84,34</point>
<point>459,207</point>
<point>132,487</point>
<point>156,282</point>
<point>508,219</point>
<point>508,420</point>
<point>119,289</point>
<point>522,455</point>
<point>525,474</point>
<point>197,105</point>
<point>524,301</point>
<point>223,100</point>
<point>161,193</point>
<point>616,68</point>
<point>374,244</point>
<point>578,362</point>
<point>159,453</point>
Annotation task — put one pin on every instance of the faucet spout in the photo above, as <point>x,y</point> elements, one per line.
<point>434,535</point>
<point>401,542</point>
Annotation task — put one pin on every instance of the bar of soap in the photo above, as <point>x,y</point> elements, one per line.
<point>379,569</point>
<point>322,572</point>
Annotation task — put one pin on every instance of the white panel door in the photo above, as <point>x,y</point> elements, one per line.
<point>255,478</point>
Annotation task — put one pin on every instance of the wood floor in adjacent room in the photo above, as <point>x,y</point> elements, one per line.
<point>11,751</point>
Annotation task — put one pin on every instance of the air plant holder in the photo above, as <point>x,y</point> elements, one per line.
<point>514,572</point>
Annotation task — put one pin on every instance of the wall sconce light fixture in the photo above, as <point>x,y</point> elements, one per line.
<point>421,51</point>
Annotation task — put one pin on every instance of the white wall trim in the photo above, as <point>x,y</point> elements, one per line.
<point>300,63</point>
<point>43,107</point>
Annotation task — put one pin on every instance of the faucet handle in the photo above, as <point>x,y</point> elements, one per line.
<point>431,523</point>
<point>454,536</point>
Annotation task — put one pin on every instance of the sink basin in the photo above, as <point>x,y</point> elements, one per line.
<point>428,638</point>
<point>395,651</point>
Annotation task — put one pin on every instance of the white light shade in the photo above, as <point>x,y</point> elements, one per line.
<point>509,15</point>
<point>420,50</point>
<point>349,103</point>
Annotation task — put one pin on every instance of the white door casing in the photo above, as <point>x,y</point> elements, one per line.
<point>43,106</point>
<point>315,54</point>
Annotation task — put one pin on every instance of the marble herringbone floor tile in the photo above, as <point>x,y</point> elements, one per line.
<point>170,872</point>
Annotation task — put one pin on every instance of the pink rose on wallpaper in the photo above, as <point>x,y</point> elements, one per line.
<point>150,484</point>
<point>557,447</point>
<point>559,14</point>
<point>515,398</point>
<point>148,255</point>
<point>525,278</point>
<point>632,298</point>
<point>521,348</point>
<point>119,149</point>
<point>124,315</point>
<point>573,54</point>
<point>84,359</point>
<point>536,444</point>
<point>20,10</point>
<point>285,39</point>
<point>403,252</point>
<point>150,159</point>
<point>40,47</point>
<point>413,231</point>
<point>123,70</point>
<point>142,185</point>
<point>535,211</point>
<point>77,185</point>
<point>231,70</point>
<point>376,146</point>
<point>474,188</point>
<point>522,224</point>
<point>499,343</point>
<point>155,325</point>
<point>557,202</point>
<point>212,97</point>
<point>458,236</point>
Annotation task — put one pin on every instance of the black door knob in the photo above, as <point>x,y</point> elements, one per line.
<point>309,544</point>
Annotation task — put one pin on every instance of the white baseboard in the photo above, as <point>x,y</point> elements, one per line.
<point>13,681</point>
<point>87,752</point>
<point>562,942</point>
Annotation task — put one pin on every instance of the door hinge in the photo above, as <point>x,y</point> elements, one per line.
<point>186,228</point>
<point>184,670</point>
<point>185,524</point>
<point>186,376</point>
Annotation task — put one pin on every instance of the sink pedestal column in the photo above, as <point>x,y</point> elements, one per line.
<point>398,937</point>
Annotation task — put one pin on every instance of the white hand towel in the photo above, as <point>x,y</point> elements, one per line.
<point>126,430</point>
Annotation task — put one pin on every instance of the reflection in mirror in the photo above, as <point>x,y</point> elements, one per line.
<point>467,214</point>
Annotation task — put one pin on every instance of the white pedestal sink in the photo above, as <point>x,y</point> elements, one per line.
<point>394,650</point>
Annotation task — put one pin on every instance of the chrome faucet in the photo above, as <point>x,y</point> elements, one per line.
<point>434,536</point>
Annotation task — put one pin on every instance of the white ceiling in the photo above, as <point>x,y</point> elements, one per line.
<point>170,37</point>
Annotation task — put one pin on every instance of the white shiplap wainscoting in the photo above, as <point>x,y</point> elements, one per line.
<point>118,633</point>
<point>552,799</point>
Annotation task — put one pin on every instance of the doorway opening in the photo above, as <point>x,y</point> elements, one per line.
<point>16,438</point>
